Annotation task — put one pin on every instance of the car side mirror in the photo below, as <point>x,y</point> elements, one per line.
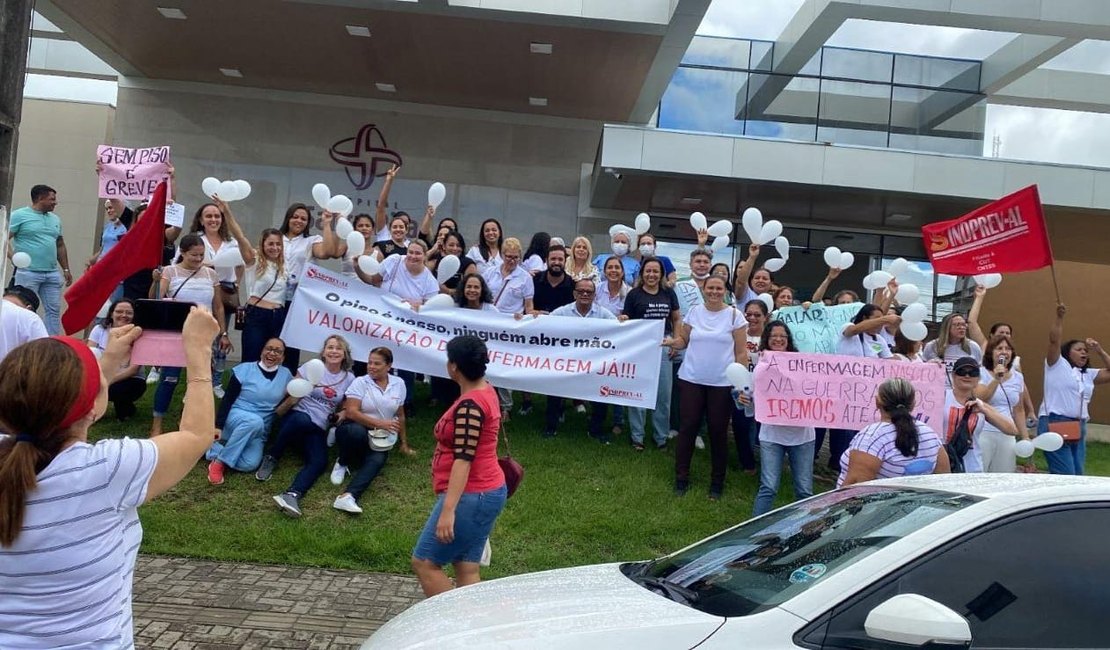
<point>917,621</point>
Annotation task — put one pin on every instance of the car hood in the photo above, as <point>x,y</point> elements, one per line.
<point>591,606</point>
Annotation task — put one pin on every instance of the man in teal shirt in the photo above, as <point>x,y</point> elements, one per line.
<point>37,231</point>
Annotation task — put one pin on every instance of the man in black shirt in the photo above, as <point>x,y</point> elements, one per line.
<point>553,289</point>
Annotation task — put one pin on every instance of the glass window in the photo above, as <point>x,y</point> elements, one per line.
<point>718,52</point>
<point>762,55</point>
<point>941,120</point>
<point>1010,601</point>
<point>855,242</point>
<point>952,74</point>
<point>764,562</point>
<point>863,65</point>
<point>702,100</point>
<point>854,113</point>
<point>782,107</point>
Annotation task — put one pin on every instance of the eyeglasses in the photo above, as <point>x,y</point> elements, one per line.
<point>511,258</point>
<point>966,372</point>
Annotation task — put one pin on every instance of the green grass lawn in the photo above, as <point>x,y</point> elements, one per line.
<point>580,503</point>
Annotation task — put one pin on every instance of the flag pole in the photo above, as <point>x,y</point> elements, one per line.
<point>1055,283</point>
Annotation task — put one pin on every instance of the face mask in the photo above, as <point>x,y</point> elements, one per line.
<point>619,249</point>
<point>647,250</point>
<point>701,276</point>
<point>262,364</point>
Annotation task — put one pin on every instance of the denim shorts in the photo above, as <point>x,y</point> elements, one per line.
<point>474,517</point>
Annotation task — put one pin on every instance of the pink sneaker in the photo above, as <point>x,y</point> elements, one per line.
<point>216,473</point>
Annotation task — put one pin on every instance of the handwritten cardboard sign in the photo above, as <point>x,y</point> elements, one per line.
<point>131,173</point>
<point>818,328</point>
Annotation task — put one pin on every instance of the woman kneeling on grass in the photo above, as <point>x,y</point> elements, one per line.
<point>465,475</point>
<point>69,526</point>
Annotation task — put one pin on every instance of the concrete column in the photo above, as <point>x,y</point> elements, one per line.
<point>15,38</point>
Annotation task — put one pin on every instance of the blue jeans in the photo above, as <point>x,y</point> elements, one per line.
<point>47,285</point>
<point>261,326</point>
<point>661,416</point>
<point>298,430</point>
<point>163,395</point>
<point>475,515</point>
<point>770,472</point>
<point>353,441</point>
<point>1070,458</point>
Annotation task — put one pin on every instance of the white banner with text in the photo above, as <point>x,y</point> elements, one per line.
<point>590,359</point>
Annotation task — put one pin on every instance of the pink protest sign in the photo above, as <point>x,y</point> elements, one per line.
<point>131,173</point>
<point>827,390</point>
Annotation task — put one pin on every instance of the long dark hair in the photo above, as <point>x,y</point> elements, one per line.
<point>198,225</point>
<point>112,309</point>
<point>186,243</point>
<point>897,397</point>
<point>765,339</point>
<point>541,241</point>
<point>662,272</point>
<point>483,248</point>
<point>460,291</point>
<point>290,211</point>
<point>1065,351</point>
<point>33,404</point>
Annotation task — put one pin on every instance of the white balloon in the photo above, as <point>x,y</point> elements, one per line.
<point>752,222</point>
<point>227,258</point>
<point>774,265</point>
<point>989,280</point>
<point>832,257</point>
<point>767,300</point>
<point>643,223</point>
<point>299,387</point>
<point>368,265</point>
<point>907,293</point>
<point>722,228</point>
<point>899,267</point>
<point>314,371</point>
<point>337,203</point>
<point>738,375</point>
<point>436,193</point>
<point>697,221</point>
<point>1024,448</point>
<point>103,313</point>
<point>343,227</point>
<point>243,189</point>
<point>914,331</point>
<point>1049,441</point>
<point>321,194</point>
<point>356,244</point>
<point>21,260</point>
<point>719,243</point>
<point>914,313</point>
<point>782,245</point>
<point>448,267</point>
<point>438,301</point>
<point>770,230</point>
<point>210,186</point>
<point>227,192</point>
<point>847,260</point>
<point>348,207</point>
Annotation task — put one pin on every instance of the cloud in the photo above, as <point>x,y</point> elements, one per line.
<point>1049,135</point>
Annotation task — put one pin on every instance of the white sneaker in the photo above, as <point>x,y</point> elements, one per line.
<point>346,503</point>
<point>581,408</point>
<point>699,443</point>
<point>338,473</point>
<point>672,434</point>
<point>153,377</point>
<point>218,391</point>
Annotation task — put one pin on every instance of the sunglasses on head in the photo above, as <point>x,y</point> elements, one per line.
<point>966,372</point>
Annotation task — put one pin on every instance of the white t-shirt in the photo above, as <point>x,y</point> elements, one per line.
<point>185,286</point>
<point>298,251</point>
<point>274,288</point>
<point>67,579</point>
<point>711,345</point>
<point>397,280</point>
<point>953,411</point>
<point>952,352</point>
<point>614,302</point>
<point>375,401</point>
<point>534,264</point>
<point>225,274</point>
<point>1006,396</point>
<point>518,287</point>
<point>785,435</point>
<point>862,345</point>
<point>17,326</point>
<point>476,254</point>
<point>1067,392</point>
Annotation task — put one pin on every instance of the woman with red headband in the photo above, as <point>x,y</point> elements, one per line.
<point>69,529</point>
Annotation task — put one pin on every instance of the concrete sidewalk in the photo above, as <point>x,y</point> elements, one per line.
<point>185,604</point>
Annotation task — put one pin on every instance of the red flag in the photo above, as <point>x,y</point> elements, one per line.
<point>1005,236</point>
<point>140,248</point>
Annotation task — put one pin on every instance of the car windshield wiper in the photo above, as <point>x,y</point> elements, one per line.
<point>667,589</point>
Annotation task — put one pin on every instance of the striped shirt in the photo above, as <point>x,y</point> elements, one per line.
<point>878,440</point>
<point>67,579</point>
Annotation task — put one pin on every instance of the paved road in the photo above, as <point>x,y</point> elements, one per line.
<point>184,604</point>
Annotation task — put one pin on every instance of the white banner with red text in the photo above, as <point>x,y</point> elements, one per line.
<point>579,358</point>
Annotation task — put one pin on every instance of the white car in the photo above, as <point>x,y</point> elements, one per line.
<point>944,561</point>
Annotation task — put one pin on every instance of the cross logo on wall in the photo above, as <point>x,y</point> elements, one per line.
<point>364,156</point>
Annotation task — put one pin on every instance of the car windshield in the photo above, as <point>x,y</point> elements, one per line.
<point>767,561</point>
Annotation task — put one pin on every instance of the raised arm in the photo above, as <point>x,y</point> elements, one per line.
<point>745,270</point>
<point>1103,375</point>
<point>853,329</point>
<point>383,200</point>
<point>328,247</point>
<point>888,295</point>
<point>426,222</point>
<point>1056,335</point>
<point>819,293</point>
<point>973,329</point>
<point>248,252</point>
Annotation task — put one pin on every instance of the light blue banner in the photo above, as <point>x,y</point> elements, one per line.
<point>818,328</point>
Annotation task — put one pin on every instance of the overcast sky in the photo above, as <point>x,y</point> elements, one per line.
<point>1027,133</point>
